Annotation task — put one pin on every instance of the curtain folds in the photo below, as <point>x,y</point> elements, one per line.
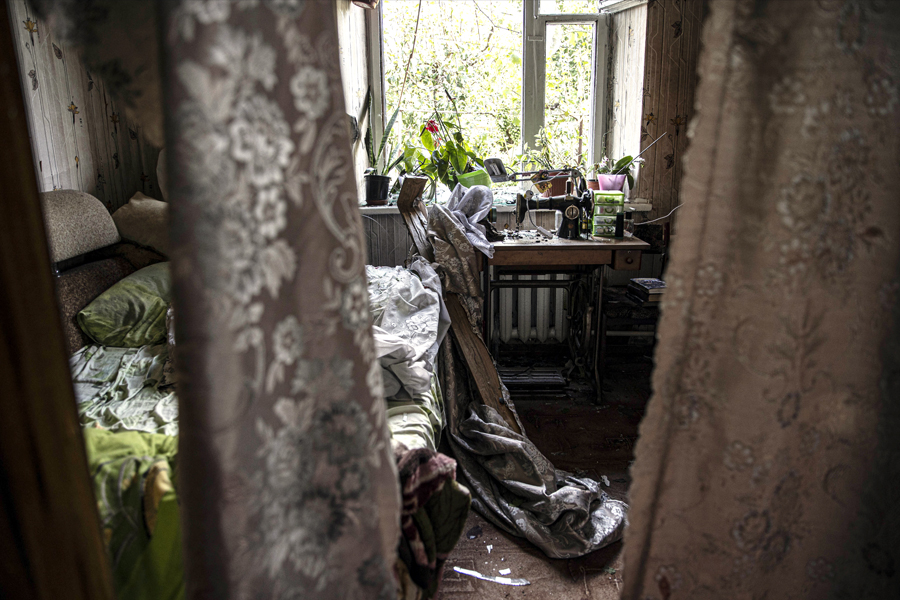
<point>767,465</point>
<point>288,486</point>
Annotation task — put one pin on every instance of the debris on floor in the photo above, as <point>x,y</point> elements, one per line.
<point>475,532</point>
<point>503,580</point>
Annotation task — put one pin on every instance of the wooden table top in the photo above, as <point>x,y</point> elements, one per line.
<point>631,243</point>
<point>557,251</point>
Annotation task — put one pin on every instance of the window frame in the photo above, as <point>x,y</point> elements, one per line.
<point>534,71</point>
<point>534,68</point>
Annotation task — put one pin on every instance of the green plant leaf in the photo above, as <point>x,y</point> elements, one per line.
<point>387,134</point>
<point>427,139</point>
<point>370,149</point>
<point>621,164</point>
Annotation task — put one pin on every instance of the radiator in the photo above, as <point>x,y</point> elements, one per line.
<point>531,315</point>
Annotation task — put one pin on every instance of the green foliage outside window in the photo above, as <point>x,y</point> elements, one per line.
<point>467,69</point>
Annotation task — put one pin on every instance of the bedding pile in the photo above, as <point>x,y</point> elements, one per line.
<point>125,389</point>
<point>128,406</point>
<point>409,324</point>
<point>134,476</point>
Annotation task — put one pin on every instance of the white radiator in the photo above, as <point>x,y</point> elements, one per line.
<point>531,315</point>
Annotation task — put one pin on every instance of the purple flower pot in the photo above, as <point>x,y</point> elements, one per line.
<point>611,183</point>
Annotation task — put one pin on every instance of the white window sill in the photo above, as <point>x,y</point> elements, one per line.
<point>639,206</point>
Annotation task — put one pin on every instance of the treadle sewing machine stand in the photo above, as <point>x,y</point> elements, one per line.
<point>588,258</point>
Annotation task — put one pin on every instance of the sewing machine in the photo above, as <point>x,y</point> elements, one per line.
<point>576,205</point>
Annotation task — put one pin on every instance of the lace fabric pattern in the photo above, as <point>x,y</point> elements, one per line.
<point>287,465</point>
<point>763,467</point>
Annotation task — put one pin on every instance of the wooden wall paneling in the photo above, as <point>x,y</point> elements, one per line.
<point>628,32</point>
<point>672,51</point>
<point>32,92</point>
<point>50,540</point>
<point>113,158</point>
<point>53,77</point>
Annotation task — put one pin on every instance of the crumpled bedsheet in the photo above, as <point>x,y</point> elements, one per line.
<point>410,322</point>
<point>125,389</point>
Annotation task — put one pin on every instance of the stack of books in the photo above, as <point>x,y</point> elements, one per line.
<point>646,290</point>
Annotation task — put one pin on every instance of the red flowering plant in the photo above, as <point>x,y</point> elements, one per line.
<point>444,153</point>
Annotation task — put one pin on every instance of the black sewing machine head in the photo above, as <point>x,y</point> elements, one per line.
<point>576,204</point>
<point>574,208</point>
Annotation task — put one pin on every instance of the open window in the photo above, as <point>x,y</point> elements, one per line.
<point>564,75</point>
<point>507,71</point>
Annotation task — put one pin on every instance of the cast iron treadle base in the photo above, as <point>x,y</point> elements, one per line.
<point>532,379</point>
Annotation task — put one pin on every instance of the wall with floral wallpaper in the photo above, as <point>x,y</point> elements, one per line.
<point>80,136</point>
<point>670,76</point>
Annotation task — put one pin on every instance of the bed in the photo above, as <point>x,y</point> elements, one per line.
<point>115,298</point>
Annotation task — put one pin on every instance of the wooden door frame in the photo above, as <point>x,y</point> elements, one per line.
<point>50,538</point>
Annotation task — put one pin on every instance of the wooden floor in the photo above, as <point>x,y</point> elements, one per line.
<point>580,437</point>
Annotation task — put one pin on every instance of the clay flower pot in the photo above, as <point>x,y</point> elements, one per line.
<point>557,186</point>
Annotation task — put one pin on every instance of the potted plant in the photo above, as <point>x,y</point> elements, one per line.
<point>612,174</point>
<point>590,175</point>
<point>378,183</point>
<point>450,159</point>
<point>544,156</point>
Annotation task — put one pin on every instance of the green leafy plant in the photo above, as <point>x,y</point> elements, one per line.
<point>444,153</point>
<point>546,153</point>
<point>393,156</point>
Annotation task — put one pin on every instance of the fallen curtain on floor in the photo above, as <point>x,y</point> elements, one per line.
<point>513,485</point>
<point>767,464</point>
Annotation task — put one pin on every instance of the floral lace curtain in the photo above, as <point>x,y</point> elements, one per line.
<point>767,464</point>
<point>287,482</point>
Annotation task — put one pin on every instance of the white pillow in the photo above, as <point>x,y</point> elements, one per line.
<point>144,221</point>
